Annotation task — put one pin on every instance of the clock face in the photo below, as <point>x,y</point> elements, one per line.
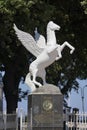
<point>47,105</point>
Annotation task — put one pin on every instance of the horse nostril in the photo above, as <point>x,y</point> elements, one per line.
<point>59,27</point>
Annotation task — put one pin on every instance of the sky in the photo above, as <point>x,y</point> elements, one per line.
<point>74,101</point>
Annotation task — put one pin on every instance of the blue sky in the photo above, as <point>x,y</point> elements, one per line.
<point>75,99</point>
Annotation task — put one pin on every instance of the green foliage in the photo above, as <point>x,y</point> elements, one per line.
<point>84,5</point>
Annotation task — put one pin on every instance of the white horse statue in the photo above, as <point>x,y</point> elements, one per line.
<point>46,53</point>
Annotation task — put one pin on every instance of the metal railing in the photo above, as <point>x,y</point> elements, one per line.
<point>73,121</point>
<point>18,121</point>
<point>76,121</point>
<point>8,121</point>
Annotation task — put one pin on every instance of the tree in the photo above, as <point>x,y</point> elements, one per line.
<point>12,54</point>
<point>84,5</point>
<point>14,58</point>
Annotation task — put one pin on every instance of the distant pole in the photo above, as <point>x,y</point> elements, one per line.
<point>5,120</point>
<point>17,119</point>
<point>82,96</point>
<point>69,99</point>
<point>21,118</point>
<point>1,93</point>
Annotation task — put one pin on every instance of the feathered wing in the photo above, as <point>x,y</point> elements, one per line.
<point>41,42</point>
<point>28,42</point>
<point>40,39</point>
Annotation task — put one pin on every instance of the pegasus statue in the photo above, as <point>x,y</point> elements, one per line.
<point>46,53</point>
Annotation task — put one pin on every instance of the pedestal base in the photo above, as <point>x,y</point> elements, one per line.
<point>47,128</point>
<point>45,109</point>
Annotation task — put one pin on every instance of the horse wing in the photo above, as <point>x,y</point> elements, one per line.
<point>28,42</point>
<point>40,39</point>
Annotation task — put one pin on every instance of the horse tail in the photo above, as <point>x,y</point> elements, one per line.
<point>29,82</point>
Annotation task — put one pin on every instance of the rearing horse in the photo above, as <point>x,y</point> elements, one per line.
<point>45,57</point>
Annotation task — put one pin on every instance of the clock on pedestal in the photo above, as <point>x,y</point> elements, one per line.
<point>47,105</point>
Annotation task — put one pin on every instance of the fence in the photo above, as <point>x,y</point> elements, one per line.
<point>76,121</point>
<point>18,121</point>
<point>22,120</point>
<point>15,121</point>
<point>8,121</point>
<point>72,121</point>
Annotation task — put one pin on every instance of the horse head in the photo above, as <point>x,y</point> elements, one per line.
<point>53,26</point>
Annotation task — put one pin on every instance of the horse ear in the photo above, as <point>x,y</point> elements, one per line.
<point>50,22</point>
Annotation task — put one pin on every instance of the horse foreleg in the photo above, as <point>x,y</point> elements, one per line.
<point>51,48</point>
<point>59,53</point>
<point>68,45</point>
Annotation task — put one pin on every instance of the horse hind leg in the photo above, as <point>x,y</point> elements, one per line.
<point>34,74</point>
<point>42,75</point>
<point>29,82</point>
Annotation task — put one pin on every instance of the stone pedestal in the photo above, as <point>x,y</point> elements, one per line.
<point>45,109</point>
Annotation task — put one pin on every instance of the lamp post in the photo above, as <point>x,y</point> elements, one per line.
<point>82,96</point>
<point>1,93</point>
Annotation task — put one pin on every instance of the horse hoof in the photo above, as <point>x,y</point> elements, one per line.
<point>72,51</point>
<point>40,85</point>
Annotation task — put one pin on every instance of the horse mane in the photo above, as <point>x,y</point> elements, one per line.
<point>52,35</point>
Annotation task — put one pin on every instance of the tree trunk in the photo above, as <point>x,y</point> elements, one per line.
<point>11,81</point>
<point>14,70</point>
